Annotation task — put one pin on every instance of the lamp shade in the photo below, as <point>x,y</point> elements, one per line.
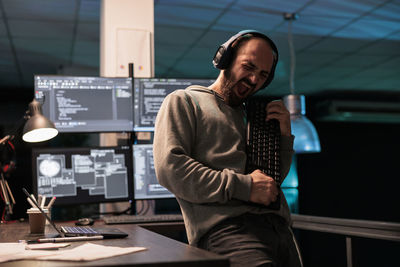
<point>38,128</point>
<point>306,136</point>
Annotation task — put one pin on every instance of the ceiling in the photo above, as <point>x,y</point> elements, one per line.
<point>341,45</point>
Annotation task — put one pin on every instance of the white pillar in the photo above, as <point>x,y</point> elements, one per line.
<point>127,36</point>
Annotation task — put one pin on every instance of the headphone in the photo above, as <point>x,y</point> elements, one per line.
<point>224,55</point>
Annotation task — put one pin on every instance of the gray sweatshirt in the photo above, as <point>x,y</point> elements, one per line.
<point>200,156</point>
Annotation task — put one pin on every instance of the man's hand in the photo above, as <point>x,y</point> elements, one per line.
<point>263,188</point>
<point>277,110</point>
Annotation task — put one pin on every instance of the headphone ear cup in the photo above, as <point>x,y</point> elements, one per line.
<point>222,58</point>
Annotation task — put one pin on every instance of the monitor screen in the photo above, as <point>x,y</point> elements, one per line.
<point>146,183</point>
<point>86,104</point>
<point>83,175</point>
<point>149,94</point>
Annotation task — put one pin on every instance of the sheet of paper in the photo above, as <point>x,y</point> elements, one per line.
<point>17,251</point>
<point>85,252</point>
<point>89,251</point>
<point>47,246</point>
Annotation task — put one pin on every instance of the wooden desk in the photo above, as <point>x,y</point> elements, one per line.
<point>161,250</point>
<point>174,230</point>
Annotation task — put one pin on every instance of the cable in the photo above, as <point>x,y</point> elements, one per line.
<point>3,219</point>
<point>4,209</point>
<point>297,247</point>
<point>292,55</point>
<point>147,208</point>
<point>141,207</point>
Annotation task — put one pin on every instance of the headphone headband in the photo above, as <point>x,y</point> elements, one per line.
<point>224,55</point>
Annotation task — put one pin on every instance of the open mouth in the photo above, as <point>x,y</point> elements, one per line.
<point>244,88</point>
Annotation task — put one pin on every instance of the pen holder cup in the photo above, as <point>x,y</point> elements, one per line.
<point>37,221</point>
<point>48,212</point>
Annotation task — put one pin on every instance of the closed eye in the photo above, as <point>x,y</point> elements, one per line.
<point>251,67</point>
<point>248,67</point>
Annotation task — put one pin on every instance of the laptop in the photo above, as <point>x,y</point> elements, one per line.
<point>92,231</point>
<point>106,232</point>
<point>69,231</point>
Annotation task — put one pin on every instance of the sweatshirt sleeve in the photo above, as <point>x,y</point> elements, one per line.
<point>287,153</point>
<point>177,170</point>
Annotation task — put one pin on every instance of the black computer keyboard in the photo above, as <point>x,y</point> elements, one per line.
<point>263,143</point>
<point>154,218</point>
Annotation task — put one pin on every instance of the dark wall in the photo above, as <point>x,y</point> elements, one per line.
<point>13,105</point>
<point>355,176</point>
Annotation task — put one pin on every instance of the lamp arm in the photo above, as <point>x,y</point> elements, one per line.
<point>14,130</point>
<point>5,139</point>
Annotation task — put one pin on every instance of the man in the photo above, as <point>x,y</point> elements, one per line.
<point>200,156</point>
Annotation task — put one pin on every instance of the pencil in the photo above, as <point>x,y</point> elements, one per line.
<point>51,202</point>
<point>43,201</point>
<point>30,202</point>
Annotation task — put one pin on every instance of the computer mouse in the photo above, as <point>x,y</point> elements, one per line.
<point>84,222</point>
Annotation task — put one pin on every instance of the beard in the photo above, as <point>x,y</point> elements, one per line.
<point>227,89</point>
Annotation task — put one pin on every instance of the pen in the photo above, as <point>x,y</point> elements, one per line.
<point>51,203</point>
<point>43,201</point>
<point>65,239</point>
<point>39,200</point>
<point>30,202</point>
<point>41,210</point>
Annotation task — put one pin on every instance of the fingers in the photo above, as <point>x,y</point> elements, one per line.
<point>276,109</point>
<point>264,189</point>
<point>272,197</point>
<point>275,197</point>
<point>273,192</point>
<point>268,198</point>
<point>275,105</point>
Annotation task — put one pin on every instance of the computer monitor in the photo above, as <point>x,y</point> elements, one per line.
<point>149,94</point>
<point>83,175</point>
<point>86,104</point>
<point>145,180</point>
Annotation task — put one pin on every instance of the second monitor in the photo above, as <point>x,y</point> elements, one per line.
<point>145,180</point>
<point>149,94</point>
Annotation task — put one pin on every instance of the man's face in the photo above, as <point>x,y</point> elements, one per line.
<point>248,71</point>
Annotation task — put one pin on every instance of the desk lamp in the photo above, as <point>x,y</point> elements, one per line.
<point>37,129</point>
